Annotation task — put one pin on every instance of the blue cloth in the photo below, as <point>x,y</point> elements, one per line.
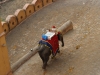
<point>44,37</point>
<point>46,43</point>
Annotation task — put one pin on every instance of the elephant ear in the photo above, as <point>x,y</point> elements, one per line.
<point>60,33</point>
<point>60,36</point>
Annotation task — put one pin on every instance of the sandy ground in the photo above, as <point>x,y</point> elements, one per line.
<point>81,53</point>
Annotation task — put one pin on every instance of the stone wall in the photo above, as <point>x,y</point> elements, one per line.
<point>21,15</point>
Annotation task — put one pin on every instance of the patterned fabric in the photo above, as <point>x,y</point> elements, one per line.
<point>46,43</point>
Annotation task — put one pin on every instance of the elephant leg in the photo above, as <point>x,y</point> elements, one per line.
<point>53,56</point>
<point>45,62</point>
<point>58,51</point>
<point>42,59</point>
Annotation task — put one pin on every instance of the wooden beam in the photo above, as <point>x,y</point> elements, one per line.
<point>67,26</point>
<point>4,59</point>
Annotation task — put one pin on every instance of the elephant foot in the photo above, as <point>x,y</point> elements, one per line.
<point>58,51</point>
<point>52,57</point>
<point>43,67</point>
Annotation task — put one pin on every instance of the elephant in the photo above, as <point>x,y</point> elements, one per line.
<point>44,51</point>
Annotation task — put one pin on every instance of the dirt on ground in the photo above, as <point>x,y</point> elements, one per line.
<point>79,56</point>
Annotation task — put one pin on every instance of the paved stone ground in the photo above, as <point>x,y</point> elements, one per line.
<point>81,53</point>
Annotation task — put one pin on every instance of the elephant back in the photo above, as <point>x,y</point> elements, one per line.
<point>52,43</point>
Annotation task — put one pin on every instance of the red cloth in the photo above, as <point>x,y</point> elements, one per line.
<point>54,43</point>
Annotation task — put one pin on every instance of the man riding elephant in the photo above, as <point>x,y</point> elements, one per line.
<point>49,45</point>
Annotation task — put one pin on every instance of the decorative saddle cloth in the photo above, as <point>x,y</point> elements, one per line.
<point>51,40</point>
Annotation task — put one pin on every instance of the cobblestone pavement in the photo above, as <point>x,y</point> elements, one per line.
<point>81,53</point>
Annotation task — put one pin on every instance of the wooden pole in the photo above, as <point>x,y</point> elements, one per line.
<point>67,26</point>
<point>5,68</point>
